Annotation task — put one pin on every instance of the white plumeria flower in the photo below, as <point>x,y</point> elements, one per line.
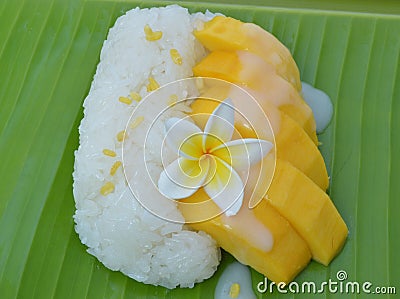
<point>210,159</point>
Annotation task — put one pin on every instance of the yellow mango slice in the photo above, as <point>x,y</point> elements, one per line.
<point>292,143</point>
<point>296,217</point>
<point>240,234</point>
<point>249,70</point>
<point>228,34</point>
<point>309,210</point>
<point>297,190</point>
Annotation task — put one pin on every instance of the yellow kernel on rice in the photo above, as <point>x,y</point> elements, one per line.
<point>125,100</point>
<point>152,35</point>
<point>137,121</point>
<point>176,57</point>
<point>173,98</point>
<point>115,167</point>
<point>107,188</point>
<point>121,136</point>
<point>153,84</point>
<point>234,291</point>
<point>108,152</point>
<point>135,96</point>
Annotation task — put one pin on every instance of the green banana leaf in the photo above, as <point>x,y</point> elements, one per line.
<point>48,54</point>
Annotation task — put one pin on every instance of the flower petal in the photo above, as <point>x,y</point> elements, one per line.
<point>220,125</point>
<point>226,188</point>
<point>183,177</point>
<point>179,131</point>
<point>241,153</point>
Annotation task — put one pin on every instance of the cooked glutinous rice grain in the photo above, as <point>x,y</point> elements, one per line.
<point>109,220</point>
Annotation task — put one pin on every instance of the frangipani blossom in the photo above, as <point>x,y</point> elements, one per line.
<point>209,159</point>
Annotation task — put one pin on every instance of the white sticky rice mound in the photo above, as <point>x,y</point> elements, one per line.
<point>117,230</point>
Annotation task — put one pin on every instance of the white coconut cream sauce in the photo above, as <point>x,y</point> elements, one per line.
<point>235,282</point>
<point>320,104</point>
<point>246,225</point>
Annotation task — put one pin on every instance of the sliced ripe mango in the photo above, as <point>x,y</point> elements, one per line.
<point>309,210</point>
<point>289,253</point>
<point>297,189</point>
<point>228,34</point>
<point>292,143</point>
<point>295,146</point>
<point>249,70</point>
<point>294,206</point>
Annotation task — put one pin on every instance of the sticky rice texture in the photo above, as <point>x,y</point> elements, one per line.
<point>116,229</point>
